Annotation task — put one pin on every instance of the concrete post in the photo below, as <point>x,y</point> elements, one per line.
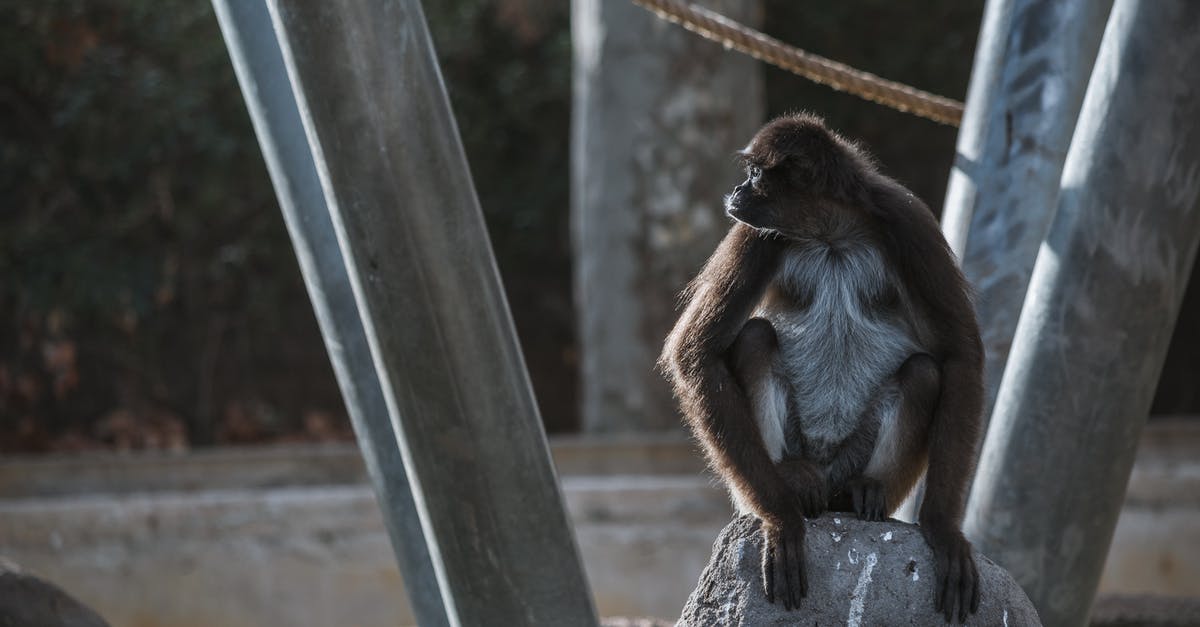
<point>1031,70</point>
<point>658,114</point>
<point>1102,301</point>
<point>258,63</point>
<point>395,178</point>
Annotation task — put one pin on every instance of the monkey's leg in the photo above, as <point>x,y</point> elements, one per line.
<point>898,444</point>
<point>754,361</point>
<point>855,452</point>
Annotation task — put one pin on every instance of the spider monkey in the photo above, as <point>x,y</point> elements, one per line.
<point>829,353</point>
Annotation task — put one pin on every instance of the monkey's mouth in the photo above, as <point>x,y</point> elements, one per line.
<point>736,205</point>
<point>740,212</point>
<point>730,208</point>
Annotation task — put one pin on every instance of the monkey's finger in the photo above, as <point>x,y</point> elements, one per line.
<point>795,571</point>
<point>801,564</point>
<point>948,600</point>
<point>941,569</point>
<point>767,563</point>
<point>859,509</point>
<point>974,586</point>
<point>967,587</point>
<point>950,595</point>
<point>814,504</point>
<point>768,574</point>
<point>781,577</point>
<point>789,604</point>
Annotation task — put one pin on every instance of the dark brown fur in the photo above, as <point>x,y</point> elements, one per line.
<point>807,175</point>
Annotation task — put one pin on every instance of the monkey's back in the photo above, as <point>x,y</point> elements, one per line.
<point>842,337</point>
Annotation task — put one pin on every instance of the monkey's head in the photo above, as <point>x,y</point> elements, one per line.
<point>797,170</point>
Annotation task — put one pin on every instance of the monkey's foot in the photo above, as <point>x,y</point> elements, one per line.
<point>956,587</point>
<point>783,575</point>
<point>870,499</point>
<point>808,483</point>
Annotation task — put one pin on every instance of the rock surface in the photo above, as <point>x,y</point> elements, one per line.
<point>859,573</point>
<point>26,600</point>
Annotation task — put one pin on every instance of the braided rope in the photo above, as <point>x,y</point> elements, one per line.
<point>839,76</point>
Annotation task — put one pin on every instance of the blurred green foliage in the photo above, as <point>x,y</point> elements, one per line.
<point>138,229</point>
<point>150,297</point>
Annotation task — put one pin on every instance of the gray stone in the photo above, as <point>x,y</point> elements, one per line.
<point>26,600</point>
<point>859,573</point>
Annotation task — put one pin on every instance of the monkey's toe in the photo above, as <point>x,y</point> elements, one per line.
<point>870,500</point>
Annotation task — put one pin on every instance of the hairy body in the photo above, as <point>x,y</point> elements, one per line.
<point>829,353</point>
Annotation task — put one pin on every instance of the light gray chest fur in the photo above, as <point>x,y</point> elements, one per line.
<point>839,341</point>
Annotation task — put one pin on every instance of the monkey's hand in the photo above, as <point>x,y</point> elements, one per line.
<point>870,498</point>
<point>957,583</point>
<point>808,483</point>
<point>783,573</point>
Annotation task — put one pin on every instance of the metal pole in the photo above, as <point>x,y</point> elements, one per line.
<point>1096,324</point>
<point>396,182</point>
<point>1030,74</point>
<point>258,63</point>
<point>1031,68</point>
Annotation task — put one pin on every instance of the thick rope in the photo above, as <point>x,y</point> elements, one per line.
<point>815,68</point>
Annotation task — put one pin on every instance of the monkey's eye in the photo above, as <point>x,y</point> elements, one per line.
<point>754,172</point>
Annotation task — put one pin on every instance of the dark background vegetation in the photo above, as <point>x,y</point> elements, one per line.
<point>149,297</point>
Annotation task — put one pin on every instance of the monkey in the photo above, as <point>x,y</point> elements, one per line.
<point>828,354</point>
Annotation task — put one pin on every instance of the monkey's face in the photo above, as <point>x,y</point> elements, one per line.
<point>796,178</point>
<point>765,200</point>
<point>748,202</point>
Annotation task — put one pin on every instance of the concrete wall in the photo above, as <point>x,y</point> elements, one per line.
<point>293,537</point>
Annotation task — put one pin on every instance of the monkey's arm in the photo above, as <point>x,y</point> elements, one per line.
<point>715,405</point>
<point>934,280</point>
<point>718,410</point>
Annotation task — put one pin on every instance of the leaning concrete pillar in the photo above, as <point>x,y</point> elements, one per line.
<point>258,63</point>
<point>1102,302</point>
<point>1031,69</point>
<point>658,113</point>
<point>395,179</point>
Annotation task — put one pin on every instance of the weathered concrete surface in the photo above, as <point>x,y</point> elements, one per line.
<point>321,464</point>
<point>27,601</point>
<point>859,573</point>
<point>1145,611</point>
<point>1156,546</point>
<point>315,556</point>
<point>145,542</point>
